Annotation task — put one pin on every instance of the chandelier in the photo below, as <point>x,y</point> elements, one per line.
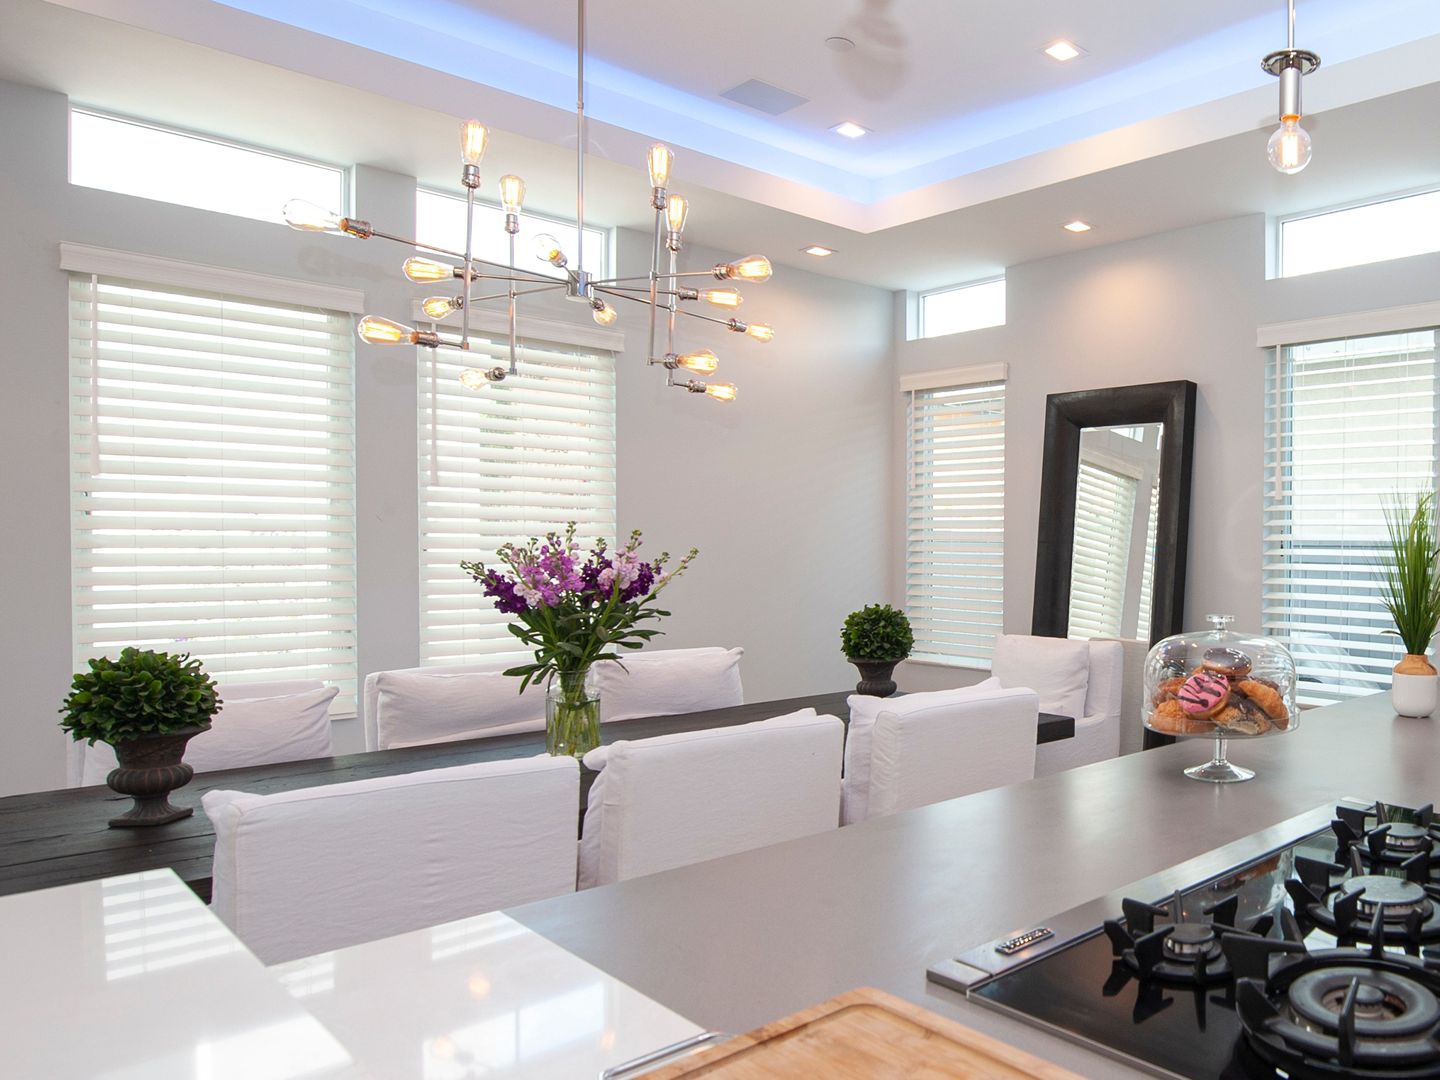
<point>1289,147</point>
<point>664,290</point>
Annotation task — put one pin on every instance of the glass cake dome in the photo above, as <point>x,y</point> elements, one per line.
<point>1221,685</point>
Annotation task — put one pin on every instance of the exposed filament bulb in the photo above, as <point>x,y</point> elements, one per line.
<point>426,271</point>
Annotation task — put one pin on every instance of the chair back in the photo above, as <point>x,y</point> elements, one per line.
<point>258,724</point>
<point>679,799</point>
<point>415,706</point>
<point>308,871</point>
<point>667,682</point>
<point>927,755</point>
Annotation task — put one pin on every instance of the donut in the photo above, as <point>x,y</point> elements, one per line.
<point>1267,698</point>
<point>1232,663</point>
<point>1169,717</point>
<point>1166,690</point>
<point>1204,694</point>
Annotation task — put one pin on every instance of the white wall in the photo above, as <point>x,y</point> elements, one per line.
<point>785,492</point>
<point>1181,305</point>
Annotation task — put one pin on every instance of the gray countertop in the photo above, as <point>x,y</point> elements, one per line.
<point>743,940</point>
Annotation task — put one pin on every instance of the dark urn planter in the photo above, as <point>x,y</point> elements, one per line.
<point>875,680</point>
<point>150,768</point>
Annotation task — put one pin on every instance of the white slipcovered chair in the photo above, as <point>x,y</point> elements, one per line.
<point>1080,679</point>
<point>667,682</point>
<point>679,799</point>
<point>308,871</point>
<point>258,724</point>
<point>415,706</point>
<point>910,751</point>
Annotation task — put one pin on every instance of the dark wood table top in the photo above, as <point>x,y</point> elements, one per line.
<point>50,838</point>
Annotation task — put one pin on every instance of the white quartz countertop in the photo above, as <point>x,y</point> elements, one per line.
<point>481,997</point>
<point>132,978</point>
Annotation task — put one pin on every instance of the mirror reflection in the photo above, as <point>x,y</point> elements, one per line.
<point>1117,501</point>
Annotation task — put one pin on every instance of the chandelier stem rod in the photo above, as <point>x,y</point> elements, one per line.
<point>468,273</point>
<point>706,318</point>
<point>514,370</point>
<point>655,274</point>
<point>579,134</point>
<point>672,304</point>
<point>1290,38</point>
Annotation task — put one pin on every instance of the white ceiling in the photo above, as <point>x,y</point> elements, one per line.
<point>313,95</point>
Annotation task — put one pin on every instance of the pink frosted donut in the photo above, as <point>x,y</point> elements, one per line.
<point>1204,693</point>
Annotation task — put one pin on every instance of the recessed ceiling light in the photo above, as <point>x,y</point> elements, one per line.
<point>818,249</point>
<point>839,44</point>
<point>1077,226</point>
<point>849,129</point>
<point>1063,50</point>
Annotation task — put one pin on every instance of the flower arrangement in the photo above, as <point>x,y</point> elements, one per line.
<point>575,609</point>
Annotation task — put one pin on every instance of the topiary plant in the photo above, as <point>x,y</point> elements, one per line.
<point>877,632</point>
<point>141,693</point>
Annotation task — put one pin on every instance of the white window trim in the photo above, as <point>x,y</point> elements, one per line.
<point>1393,320</point>
<point>920,298</point>
<point>177,274</point>
<point>532,329</point>
<point>1277,271</point>
<point>961,376</point>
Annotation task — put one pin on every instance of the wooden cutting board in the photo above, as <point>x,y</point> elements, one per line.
<point>863,1035</point>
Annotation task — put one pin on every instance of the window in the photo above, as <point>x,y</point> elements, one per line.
<point>517,459</point>
<point>213,481</point>
<point>1389,229</point>
<point>955,521</point>
<point>1104,516</point>
<point>1350,424</point>
<point>152,162</point>
<point>964,307</point>
<point>440,222</point>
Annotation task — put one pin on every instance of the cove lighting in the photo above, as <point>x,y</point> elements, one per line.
<point>1077,226</point>
<point>1063,50</point>
<point>819,250</point>
<point>849,129</point>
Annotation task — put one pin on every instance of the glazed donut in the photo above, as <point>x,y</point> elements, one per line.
<point>1243,719</point>
<point>1204,694</point>
<point>1232,663</point>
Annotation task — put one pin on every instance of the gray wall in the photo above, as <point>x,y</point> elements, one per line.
<point>1181,305</point>
<point>784,491</point>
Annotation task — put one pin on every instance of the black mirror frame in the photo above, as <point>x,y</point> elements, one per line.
<point>1168,403</point>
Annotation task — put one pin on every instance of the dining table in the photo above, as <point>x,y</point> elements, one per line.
<point>51,838</point>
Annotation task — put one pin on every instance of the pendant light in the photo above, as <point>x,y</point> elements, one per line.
<point>1289,147</point>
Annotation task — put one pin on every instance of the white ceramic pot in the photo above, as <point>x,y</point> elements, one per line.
<point>1414,692</point>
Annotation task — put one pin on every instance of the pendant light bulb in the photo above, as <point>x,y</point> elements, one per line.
<point>604,314</point>
<point>474,378</point>
<point>426,271</point>
<point>380,331</point>
<point>659,159</point>
<point>512,193</point>
<point>547,249</point>
<point>721,391</point>
<point>754,268</point>
<point>677,209</point>
<point>760,331</point>
<point>440,307</point>
<point>473,139</point>
<point>306,216</point>
<point>726,298</point>
<point>1289,148</point>
<point>701,362</point>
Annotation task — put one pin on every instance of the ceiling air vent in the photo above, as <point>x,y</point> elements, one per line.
<point>764,97</point>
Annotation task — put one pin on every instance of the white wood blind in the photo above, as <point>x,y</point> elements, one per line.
<point>212,456</point>
<point>1350,424</point>
<point>1104,516</point>
<point>955,521</point>
<point>516,459</point>
<point>1147,572</point>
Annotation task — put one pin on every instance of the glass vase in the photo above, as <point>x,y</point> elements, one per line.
<point>572,713</point>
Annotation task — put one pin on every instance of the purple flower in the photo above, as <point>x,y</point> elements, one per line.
<point>504,590</point>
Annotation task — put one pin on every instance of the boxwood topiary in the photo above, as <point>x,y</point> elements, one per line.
<point>140,693</point>
<point>877,632</point>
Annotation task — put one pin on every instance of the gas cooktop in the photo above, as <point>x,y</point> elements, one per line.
<point>1318,958</point>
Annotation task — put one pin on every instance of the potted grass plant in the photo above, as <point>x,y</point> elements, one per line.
<point>875,639</point>
<point>147,705</point>
<point>1410,591</point>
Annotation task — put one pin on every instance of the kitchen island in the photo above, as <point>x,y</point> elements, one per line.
<point>736,942</point>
